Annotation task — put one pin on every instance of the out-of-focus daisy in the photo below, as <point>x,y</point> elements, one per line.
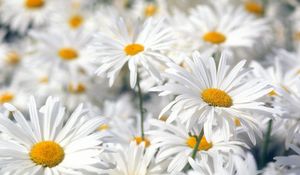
<point>245,165</point>
<point>74,17</point>
<point>215,96</point>
<point>50,143</point>
<point>255,7</point>
<point>25,13</point>
<point>142,46</point>
<point>144,9</point>
<point>224,26</point>
<point>13,94</point>
<point>12,56</point>
<point>63,50</point>
<point>290,164</point>
<point>38,81</point>
<point>276,76</point>
<point>179,143</point>
<point>216,166</point>
<point>136,160</point>
<point>84,90</point>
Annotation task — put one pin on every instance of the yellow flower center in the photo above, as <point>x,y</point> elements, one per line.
<point>133,49</point>
<point>44,79</point>
<point>272,93</point>
<point>34,4</point>
<point>6,97</point>
<point>297,36</point>
<point>150,10</point>
<point>203,146</point>
<point>164,118</point>
<point>214,37</point>
<point>67,53</point>
<point>76,21</point>
<point>139,140</point>
<point>216,97</point>
<point>12,58</point>
<point>103,127</point>
<point>76,88</point>
<point>47,153</point>
<point>254,8</point>
<point>237,122</point>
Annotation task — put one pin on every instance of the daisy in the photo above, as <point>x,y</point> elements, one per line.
<point>215,166</point>
<point>224,26</point>
<point>13,56</point>
<point>50,143</point>
<point>136,160</point>
<point>290,163</point>
<point>25,13</point>
<point>276,76</point>
<point>145,9</point>
<point>83,89</point>
<point>73,17</point>
<point>63,50</point>
<point>143,46</point>
<point>179,143</point>
<point>215,96</point>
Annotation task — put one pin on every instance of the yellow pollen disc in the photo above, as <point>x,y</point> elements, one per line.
<point>297,36</point>
<point>103,127</point>
<point>214,37</point>
<point>150,10</point>
<point>12,58</point>
<point>254,8</point>
<point>76,21</point>
<point>164,118</point>
<point>47,153</point>
<point>76,88</point>
<point>216,97</point>
<point>34,4</point>
<point>6,97</point>
<point>139,140</point>
<point>133,49</point>
<point>67,53</point>
<point>44,80</point>
<point>203,146</point>
<point>272,93</point>
<point>237,122</point>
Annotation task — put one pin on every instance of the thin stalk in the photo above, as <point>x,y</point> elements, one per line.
<point>266,143</point>
<point>195,150</point>
<point>140,94</point>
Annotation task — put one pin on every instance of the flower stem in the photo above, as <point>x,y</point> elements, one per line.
<point>141,106</point>
<point>197,143</point>
<point>266,143</point>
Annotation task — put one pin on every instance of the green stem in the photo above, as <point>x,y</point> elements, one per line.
<point>195,150</point>
<point>141,106</point>
<point>266,143</point>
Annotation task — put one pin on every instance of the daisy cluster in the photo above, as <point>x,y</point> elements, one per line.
<point>149,87</point>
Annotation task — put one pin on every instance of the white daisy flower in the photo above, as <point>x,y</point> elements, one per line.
<point>144,9</point>
<point>179,143</point>
<point>290,163</point>
<point>214,96</point>
<point>245,165</point>
<point>63,50</point>
<point>50,143</point>
<point>25,13</point>
<point>224,26</point>
<point>136,160</point>
<point>216,166</point>
<point>73,17</point>
<point>13,94</point>
<point>144,46</point>
<point>276,76</point>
